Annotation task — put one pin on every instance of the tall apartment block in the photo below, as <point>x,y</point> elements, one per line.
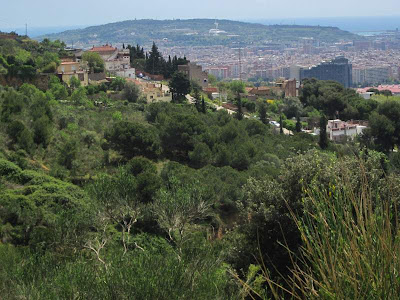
<point>337,69</point>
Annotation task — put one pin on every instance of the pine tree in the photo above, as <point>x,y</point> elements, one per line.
<point>323,138</point>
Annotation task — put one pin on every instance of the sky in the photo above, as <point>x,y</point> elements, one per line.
<point>50,13</point>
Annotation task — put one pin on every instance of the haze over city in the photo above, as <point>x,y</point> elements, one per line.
<point>46,13</point>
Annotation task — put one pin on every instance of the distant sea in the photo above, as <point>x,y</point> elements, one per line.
<point>359,25</point>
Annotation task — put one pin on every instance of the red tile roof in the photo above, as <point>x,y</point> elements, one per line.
<point>105,48</point>
<point>210,89</point>
<point>395,89</point>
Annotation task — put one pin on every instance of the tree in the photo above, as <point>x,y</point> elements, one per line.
<point>196,94</point>
<point>201,155</point>
<point>59,91</point>
<point>131,92</point>
<point>179,86</point>
<point>118,84</point>
<point>74,83</point>
<point>94,60</point>
<point>79,96</point>
<point>387,93</point>
<point>179,207</point>
<point>237,87</point>
<point>155,62</point>
<point>298,124</point>
<point>323,137</point>
<point>262,112</point>
<point>20,135</point>
<point>239,113</point>
<point>291,107</point>
<point>373,90</point>
<point>385,125</point>
<point>382,131</point>
<point>203,106</point>
<point>133,139</point>
<point>118,202</point>
<point>280,124</point>
<point>212,80</point>
<point>178,132</point>
<point>68,153</point>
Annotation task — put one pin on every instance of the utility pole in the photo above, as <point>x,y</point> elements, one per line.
<point>240,61</point>
<point>240,64</point>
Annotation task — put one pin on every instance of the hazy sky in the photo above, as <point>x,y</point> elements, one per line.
<point>15,13</point>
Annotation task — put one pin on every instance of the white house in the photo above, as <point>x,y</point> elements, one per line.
<point>338,130</point>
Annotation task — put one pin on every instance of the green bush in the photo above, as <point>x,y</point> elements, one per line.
<point>10,171</point>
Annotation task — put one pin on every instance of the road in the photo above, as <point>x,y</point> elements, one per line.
<point>231,112</point>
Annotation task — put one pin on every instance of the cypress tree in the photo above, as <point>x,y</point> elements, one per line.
<point>298,124</point>
<point>203,105</point>
<point>239,114</point>
<point>263,112</point>
<point>323,138</point>
<point>280,124</point>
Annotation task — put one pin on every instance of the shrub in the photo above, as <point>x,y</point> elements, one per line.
<point>131,92</point>
<point>10,170</point>
<point>133,139</point>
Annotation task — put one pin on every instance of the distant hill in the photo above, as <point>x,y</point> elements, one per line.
<point>196,32</point>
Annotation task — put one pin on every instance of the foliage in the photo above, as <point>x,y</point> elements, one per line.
<point>131,92</point>
<point>78,97</point>
<point>74,83</point>
<point>237,87</point>
<point>292,107</point>
<point>262,111</point>
<point>118,84</point>
<point>335,101</point>
<point>323,138</point>
<point>351,238</point>
<point>164,192</point>
<point>94,60</point>
<point>179,86</point>
<point>385,126</point>
<point>43,213</point>
<point>133,139</point>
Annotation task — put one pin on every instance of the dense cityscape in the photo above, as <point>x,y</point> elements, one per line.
<point>375,60</point>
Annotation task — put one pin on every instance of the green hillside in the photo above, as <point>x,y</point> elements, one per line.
<point>195,32</point>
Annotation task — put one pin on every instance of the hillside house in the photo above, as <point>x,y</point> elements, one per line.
<point>117,62</point>
<point>154,92</point>
<point>68,69</point>
<point>340,131</point>
<point>194,72</point>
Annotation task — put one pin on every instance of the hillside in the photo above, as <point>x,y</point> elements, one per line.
<point>196,32</point>
<point>106,196</point>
